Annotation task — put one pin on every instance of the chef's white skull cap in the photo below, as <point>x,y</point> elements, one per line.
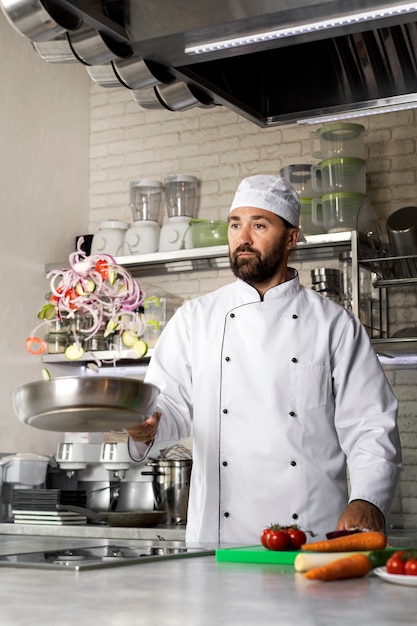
<point>271,193</point>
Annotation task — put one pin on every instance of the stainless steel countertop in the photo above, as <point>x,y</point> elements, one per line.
<point>191,592</point>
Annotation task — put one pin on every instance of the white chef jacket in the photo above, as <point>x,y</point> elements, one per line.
<point>280,393</point>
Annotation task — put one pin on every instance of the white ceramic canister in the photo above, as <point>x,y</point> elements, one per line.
<point>110,238</point>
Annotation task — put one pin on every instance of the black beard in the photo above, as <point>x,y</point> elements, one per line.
<point>257,269</point>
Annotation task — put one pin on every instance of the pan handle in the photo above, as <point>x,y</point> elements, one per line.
<point>155,473</point>
<point>93,516</point>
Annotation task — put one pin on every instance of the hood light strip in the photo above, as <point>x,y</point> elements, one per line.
<point>397,104</point>
<point>351,18</point>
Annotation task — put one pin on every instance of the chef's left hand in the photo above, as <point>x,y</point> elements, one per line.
<point>361,514</point>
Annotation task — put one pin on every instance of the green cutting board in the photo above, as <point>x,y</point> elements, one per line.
<point>259,554</point>
<point>256,554</point>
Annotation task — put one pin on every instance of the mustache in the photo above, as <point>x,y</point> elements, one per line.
<point>245,248</point>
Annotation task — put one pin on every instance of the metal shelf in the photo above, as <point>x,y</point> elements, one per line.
<point>106,357</point>
<point>213,257</point>
<point>323,246</point>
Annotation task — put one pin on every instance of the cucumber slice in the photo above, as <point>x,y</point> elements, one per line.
<point>74,352</point>
<point>140,348</point>
<point>112,276</point>
<point>129,338</point>
<point>47,312</point>
<point>111,326</point>
<point>86,287</point>
<point>46,374</point>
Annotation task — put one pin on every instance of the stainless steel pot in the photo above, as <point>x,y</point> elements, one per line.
<point>39,20</point>
<point>55,50</point>
<point>94,48</point>
<point>84,404</point>
<point>179,96</point>
<point>135,496</point>
<point>136,73</point>
<point>103,75</point>
<point>402,235</point>
<point>146,98</point>
<point>171,485</point>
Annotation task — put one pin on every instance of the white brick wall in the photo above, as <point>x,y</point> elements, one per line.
<point>220,148</point>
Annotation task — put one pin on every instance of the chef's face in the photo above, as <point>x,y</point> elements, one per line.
<point>259,245</point>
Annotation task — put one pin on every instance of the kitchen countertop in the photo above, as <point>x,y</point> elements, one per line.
<point>194,591</point>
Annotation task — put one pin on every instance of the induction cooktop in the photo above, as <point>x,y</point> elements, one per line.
<point>78,559</point>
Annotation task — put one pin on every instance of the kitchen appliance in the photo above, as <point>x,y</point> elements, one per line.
<point>19,471</point>
<point>181,205</point>
<point>95,557</point>
<point>115,458</point>
<point>84,404</point>
<point>73,456</point>
<point>145,203</point>
<point>351,58</point>
<point>110,238</point>
<point>171,484</point>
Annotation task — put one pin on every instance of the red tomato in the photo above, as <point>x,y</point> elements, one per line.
<point>264,537</point>
<point>411,567</point>
<point>395,564</point>
<point>297,537</point>
<point>277,540</point>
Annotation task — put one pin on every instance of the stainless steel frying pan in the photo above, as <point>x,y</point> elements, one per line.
<point>84,404</point>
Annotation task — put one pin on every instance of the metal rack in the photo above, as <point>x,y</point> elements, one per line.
<point>367,265</point>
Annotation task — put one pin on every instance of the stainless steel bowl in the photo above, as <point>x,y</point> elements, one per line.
<point>84,404</point>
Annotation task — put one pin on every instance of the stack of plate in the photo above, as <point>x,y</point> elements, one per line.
<point>328,282</point>
<point>39,506</point>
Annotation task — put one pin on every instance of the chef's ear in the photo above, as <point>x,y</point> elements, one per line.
<point>292,237</point>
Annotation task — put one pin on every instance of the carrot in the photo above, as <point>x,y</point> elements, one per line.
<point>353,566</point>
<point>364,541</point>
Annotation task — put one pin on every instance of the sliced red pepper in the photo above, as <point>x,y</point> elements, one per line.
<point>102,267</point>
<point>32,342</point>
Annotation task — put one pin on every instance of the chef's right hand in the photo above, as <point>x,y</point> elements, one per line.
<point>145,431</point>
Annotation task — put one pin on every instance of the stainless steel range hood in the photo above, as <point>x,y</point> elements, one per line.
<point>274,62</point>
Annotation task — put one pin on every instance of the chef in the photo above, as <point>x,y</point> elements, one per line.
<point>293,420</point>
